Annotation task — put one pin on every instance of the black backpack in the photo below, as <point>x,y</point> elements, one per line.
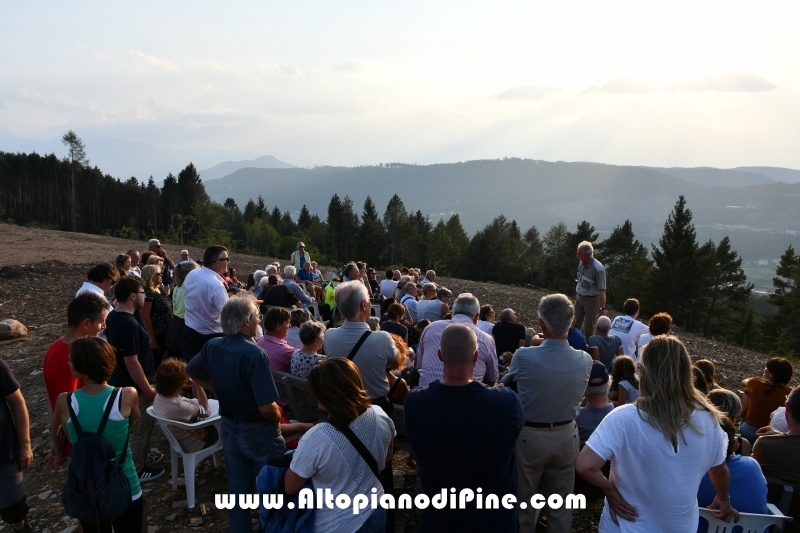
<point>97,489</point>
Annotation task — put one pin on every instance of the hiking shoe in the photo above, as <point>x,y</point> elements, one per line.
<point>153,459</point>
<point>150,473</point>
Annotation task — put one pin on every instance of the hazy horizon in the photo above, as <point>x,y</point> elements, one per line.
<point>152,86</point>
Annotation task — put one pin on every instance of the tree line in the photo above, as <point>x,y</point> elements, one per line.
<point>702,285</point>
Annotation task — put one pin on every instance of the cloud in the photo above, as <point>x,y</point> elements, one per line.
<point>526,92</point>
<point>347,67</point>
<point>33,96</point>
<point>725,82</point>
<point>629,85</point>
<point>140,62</point>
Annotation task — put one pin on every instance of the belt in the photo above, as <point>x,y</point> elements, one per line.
<point>547,424</point>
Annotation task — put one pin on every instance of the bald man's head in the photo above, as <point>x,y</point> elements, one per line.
<point>458,344</point>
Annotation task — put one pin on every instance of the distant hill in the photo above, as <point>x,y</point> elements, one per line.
<point>718,177</point>
<point>762,220</point>
<point>787,175</point>
<point>229,167</point>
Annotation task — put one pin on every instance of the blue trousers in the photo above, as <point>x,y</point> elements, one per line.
<point>247,449</point>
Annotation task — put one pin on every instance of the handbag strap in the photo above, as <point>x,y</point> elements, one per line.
<point>361,449</point>
<point>355,349</point>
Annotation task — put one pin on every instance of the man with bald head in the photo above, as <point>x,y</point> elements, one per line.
<point>457,422</point>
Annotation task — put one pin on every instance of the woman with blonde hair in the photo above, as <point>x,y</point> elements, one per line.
<point>156,312</point>
<point>662,444</point>
<point>729,405</point>
<point>329,455</point>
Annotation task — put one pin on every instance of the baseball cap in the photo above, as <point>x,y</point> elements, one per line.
<point>599,375</point>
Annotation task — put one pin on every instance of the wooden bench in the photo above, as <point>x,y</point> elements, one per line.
<point>304,406</point>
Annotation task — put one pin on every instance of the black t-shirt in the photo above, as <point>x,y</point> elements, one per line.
<point>507,336</point>
<point>9,439</point>
<point>280,296</point>
<point>465,437</point>
<point>128,338</point>
<point>397,329</point>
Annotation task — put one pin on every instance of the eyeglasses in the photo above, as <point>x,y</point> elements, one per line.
<point>224,259</point>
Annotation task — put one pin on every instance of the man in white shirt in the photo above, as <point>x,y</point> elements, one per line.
<point>408,297</point>
<point>466,309</point>
<point>627,328</point>
<point>205,293</point>
<point>430,277</point>
<point>101,278</point>
<point>136,257</point>
<point>389,284</point>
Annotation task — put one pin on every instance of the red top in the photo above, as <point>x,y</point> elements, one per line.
<point>58,377</point>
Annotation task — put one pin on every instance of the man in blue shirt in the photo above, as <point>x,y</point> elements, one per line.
<point>288,282</point>
<point>464,435</point>
<point>237,370</point>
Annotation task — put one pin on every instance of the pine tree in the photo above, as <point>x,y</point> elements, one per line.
<point>371,234</point>
<point>725,292</point>
<point>782,329</point>
<point>261,208</point>
<point>626,263</point>
<point>304,219</point>
<point>558,255</point>
<point>531,255</point>
<point>676,272</point>
<point>335,233</point>
<point>275,218</point>
<point>250,211</point>
<point>395,220</point>
<point>77,156</point>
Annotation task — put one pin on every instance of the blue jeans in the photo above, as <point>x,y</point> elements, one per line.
<point>749,432</point>
<point>376,523</point>
<point>247,449</point>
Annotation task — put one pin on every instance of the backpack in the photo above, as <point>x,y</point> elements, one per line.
<point>288,518</point>
<point>97,489</point>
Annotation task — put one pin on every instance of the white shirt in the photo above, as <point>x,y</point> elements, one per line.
<point>485,326</point>
<point>628,329</point>
<point>88,286</point>
<point>432,368</point>
<point>641,343</point>
<point>387,287</point>
<point>659,483</point>
<point>293,337</point>
<point>326,456</point>
<point>204,295</point>
<point>421,305</point>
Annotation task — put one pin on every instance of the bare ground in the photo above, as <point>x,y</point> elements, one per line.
<point>40,270</point>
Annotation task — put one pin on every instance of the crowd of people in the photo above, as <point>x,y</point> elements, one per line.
<point>490,406</point>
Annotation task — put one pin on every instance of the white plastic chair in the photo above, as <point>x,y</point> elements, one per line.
<point>190,459</point>
<point>749,522</point>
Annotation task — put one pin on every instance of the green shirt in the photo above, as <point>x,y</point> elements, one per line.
<point>89,412</point>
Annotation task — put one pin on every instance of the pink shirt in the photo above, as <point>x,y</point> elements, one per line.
<point>430,365</point>
<point>279,352</point>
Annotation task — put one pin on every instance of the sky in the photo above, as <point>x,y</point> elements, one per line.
<point>152,85</point>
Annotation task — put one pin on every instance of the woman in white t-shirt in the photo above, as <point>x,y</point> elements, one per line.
<point>327,457</point>
<point>659,447</point>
